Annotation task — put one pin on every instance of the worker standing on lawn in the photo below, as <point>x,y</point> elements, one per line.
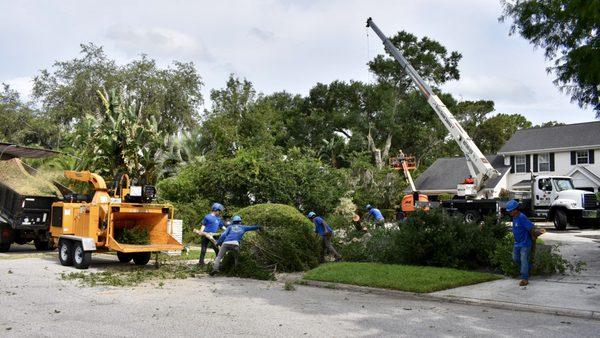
<point>209,229</point>
<point>230,240</point>
<point>376,215</point>
<point>326,232</point>
<point>521,229</point>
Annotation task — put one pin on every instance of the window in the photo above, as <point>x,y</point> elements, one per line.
<point>520,164</point>
<point>544,162</point>
<point>563,184</point>
<point>545,184</point>
<point>582,157</point>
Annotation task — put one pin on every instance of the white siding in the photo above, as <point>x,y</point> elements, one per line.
<point>562,166</point>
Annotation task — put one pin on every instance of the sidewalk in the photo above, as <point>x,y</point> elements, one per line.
<point>571,293</point>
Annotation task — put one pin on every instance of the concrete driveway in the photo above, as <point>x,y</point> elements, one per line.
<point>578,292</point>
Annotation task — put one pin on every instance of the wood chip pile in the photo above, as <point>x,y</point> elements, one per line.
<point>14,175</point>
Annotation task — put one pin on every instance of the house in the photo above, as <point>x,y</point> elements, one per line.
<point>567,150</point>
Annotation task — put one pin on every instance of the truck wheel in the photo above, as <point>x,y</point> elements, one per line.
<point>65,252</point>
<point>472,216</point>
<point>560,220</point>
<point>42,245</point>
<point>141,258</point>
<point>124,257</point>
<point>4,247</point>
<point>81,258</point>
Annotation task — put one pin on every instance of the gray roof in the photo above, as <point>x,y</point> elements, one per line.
<point>445,173</point>
<point>557,137</point>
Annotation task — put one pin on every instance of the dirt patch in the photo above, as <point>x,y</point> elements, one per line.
<point>14,176</point>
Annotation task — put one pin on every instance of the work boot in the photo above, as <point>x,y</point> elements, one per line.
<point>523,282</point>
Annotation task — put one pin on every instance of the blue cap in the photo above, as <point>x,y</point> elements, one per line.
<point>311,215</point>
<point>217,207</point>
<point>368,207</point>
<point>512,205</point>
<point>236,219</point>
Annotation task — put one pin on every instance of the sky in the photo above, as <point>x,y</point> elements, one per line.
<point>286,45</point>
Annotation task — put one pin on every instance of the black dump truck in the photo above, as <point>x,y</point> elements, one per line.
<point>25,199</point>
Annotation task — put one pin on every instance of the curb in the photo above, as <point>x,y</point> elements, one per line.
<point>566,312</point>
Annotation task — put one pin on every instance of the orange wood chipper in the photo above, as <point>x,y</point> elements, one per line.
<point>82,224</point>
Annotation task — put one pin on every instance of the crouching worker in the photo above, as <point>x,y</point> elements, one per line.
<point>209,230</point>
<point>326,232</point>
<point>230,240</point>
<point>521,229</point>
<point>376,215</point>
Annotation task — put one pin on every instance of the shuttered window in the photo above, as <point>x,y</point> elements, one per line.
<point>543,162</point>
<point>583,157</point>
<point>521,164</point>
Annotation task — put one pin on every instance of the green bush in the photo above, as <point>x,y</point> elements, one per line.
<point>137,235</point>
<point>547,260</point>
<point>286,242</point>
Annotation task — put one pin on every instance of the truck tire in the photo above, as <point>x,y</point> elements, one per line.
<point>472,216</point>
<point>81,258</point>
<point>42,245</point>
<point>560,220</point>
<point>4,247</point>
<point>124,257</point>
<point>141,258</point>
<point>65,252</point>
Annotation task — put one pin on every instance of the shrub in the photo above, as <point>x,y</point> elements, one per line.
<point>285,243</point>
<point>137,235</point>
<point>547,260</point>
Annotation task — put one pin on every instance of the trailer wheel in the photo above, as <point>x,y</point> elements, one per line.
<point>42,245</point>
<point>4,247</point>
<point>141,258</point>
<point>472,216</point>
<point>124,257</point>
<point>81,258</point>
<point>65,252</point>
<point>560,220</point>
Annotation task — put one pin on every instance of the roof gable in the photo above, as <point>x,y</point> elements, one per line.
<point>556,137</point>
<point>445,173</point>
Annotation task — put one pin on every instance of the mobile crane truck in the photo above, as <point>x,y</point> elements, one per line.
<point>81,224</point>
<point>552,197</point>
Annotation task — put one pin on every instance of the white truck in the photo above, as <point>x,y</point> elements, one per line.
<point>552,197</point>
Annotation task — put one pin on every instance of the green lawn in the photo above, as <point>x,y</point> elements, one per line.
<point>398,277</point>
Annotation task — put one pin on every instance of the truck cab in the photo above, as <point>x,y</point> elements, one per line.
<point>556,199</point>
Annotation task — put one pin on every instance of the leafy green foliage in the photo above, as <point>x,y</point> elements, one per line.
<point>136,235</point>
<point>258,176</point>
<point>286,241</point>
<point>568,30</point>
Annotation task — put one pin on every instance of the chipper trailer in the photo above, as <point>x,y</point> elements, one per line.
<point>81,224</point>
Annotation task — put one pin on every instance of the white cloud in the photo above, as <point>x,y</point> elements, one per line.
<point>23,85</point>
<point>262,34</point>
<point>157,41</point>
<point>497,88</point>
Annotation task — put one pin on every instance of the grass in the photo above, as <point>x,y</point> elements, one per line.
<point>410,278</point>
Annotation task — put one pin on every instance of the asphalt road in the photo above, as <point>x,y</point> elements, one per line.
<point>36,302</point>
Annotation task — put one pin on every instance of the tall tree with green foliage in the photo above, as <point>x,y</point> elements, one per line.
<point>67,92</point>
<point>569,33</point>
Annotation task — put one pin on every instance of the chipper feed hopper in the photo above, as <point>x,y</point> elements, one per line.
<point>82,224</point>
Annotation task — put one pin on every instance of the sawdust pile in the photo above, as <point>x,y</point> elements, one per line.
<point>14,175</point>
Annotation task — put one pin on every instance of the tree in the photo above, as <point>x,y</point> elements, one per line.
<point>22,124</point>
<point>122,140</point>
<point>568,31</point>
<point>67,93</point>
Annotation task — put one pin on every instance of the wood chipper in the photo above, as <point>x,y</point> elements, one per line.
<point>82,224</point>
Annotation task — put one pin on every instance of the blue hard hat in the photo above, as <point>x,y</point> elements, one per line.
<point>311,215</point>
<point>368,207</point>
<point>236,219</point>
<point>217,207</point>
<point>512,205</point>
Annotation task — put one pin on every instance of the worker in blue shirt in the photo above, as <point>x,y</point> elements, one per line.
<point>521,230</point>
<point>230,240</point>
<point>375,214</point>
<point>325,232</point>
<point>209,228</point>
